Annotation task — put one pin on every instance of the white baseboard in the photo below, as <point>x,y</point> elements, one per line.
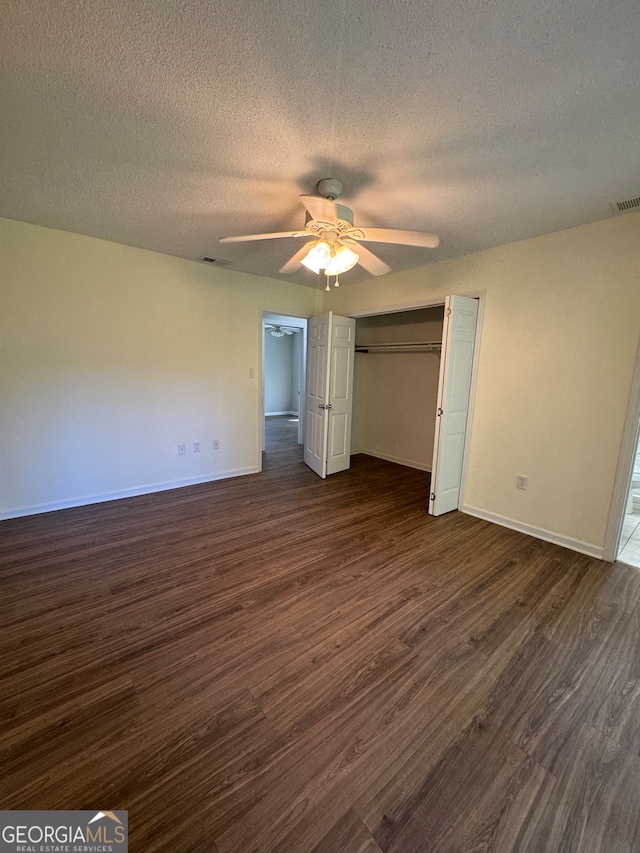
<point>399,460</point>
<point>537,532</point>
<point>53,506</point>
<point>273,414</point>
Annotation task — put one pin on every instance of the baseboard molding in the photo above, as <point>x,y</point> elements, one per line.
<point>124,493</point>
<point>596,551</point>
<point>399,460</point>
<point>273,414</point>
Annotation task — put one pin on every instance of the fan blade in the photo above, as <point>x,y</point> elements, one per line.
<point>371,262</point>
<point>320,208</point>
<point>402,238</point>
<point>287,331</point>
<point>294,262</point>
<point>274,236</point>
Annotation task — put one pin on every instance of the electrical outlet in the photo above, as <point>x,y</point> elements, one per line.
<point>216,444</point>
<point>522,482</point>
<point>197,447</point>
<point>182,450</point>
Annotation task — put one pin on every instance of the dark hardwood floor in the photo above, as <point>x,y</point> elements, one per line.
<point>280,663</point>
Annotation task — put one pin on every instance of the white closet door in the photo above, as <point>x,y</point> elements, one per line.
<point>456,365</point>
<point>317,393</point>
<point>343,333</point>
<point>329,393</point>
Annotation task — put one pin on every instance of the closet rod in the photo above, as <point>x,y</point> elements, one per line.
<point>414,346</point>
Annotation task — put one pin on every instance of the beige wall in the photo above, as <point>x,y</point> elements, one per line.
<point>559,336</point>
<point>110,356</point>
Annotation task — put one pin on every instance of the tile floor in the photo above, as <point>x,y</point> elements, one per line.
<point>630,539</point>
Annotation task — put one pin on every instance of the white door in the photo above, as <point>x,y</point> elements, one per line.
<point>329,393</point>
<point>317,393</point>
<point>343,333</point>
<point>456,364</point>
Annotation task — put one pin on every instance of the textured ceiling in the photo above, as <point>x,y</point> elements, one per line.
<point>167,125</point>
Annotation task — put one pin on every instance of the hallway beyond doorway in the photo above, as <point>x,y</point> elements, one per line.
<point>281,442</point>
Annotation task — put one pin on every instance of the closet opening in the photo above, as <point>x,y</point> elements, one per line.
<point>396,375</point>
<point>413,392</point>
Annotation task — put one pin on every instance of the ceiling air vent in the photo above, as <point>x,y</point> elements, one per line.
<point>218,262</point>
<point>629,204</point>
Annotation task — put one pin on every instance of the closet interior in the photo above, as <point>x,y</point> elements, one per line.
<point>396,373</point>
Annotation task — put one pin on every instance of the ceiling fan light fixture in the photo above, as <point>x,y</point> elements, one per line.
<point>277,332</point>
<point>334,260</point>
<point>317,257</point>
<point>344,259</point>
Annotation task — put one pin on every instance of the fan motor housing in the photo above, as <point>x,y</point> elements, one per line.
<point>329,188</point>
<point>343,214</point>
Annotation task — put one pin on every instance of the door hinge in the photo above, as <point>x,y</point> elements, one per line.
<point>433,496</point>
<point>448,312</point>
<point>440,412</point>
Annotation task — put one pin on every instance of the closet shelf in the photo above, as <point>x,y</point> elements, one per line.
<point>413,346</point>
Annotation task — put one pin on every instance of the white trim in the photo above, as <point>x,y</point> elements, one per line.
<point>273,414</point>
<point>414,305</point>
<point>36,509</point>
<point>399,460</point>
<point>624,470</point>
<point>538,532</point>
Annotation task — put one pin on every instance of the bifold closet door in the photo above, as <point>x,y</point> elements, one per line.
<point>456,366</point>
<point>329,393</point>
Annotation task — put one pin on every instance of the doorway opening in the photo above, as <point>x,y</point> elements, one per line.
<point>284,344</point>
<point>414,391</point>
<point>621,529</point>
<point>629,548</point>
<point>397,370</point>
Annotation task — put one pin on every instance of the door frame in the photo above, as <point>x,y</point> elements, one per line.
<point>266,315</point>
<point>480,295</point>
<point>624,470</point>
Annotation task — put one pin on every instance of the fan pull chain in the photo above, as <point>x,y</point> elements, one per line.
<point>336,282</point>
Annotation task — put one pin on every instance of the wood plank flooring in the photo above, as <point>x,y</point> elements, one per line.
<point>282,664</point>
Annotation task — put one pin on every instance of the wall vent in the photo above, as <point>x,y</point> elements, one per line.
<point>219,262</point>
<point>629,204</point>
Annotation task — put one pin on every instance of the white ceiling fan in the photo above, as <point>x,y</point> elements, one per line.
<point>280,331</point>
<point>336,244</point>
